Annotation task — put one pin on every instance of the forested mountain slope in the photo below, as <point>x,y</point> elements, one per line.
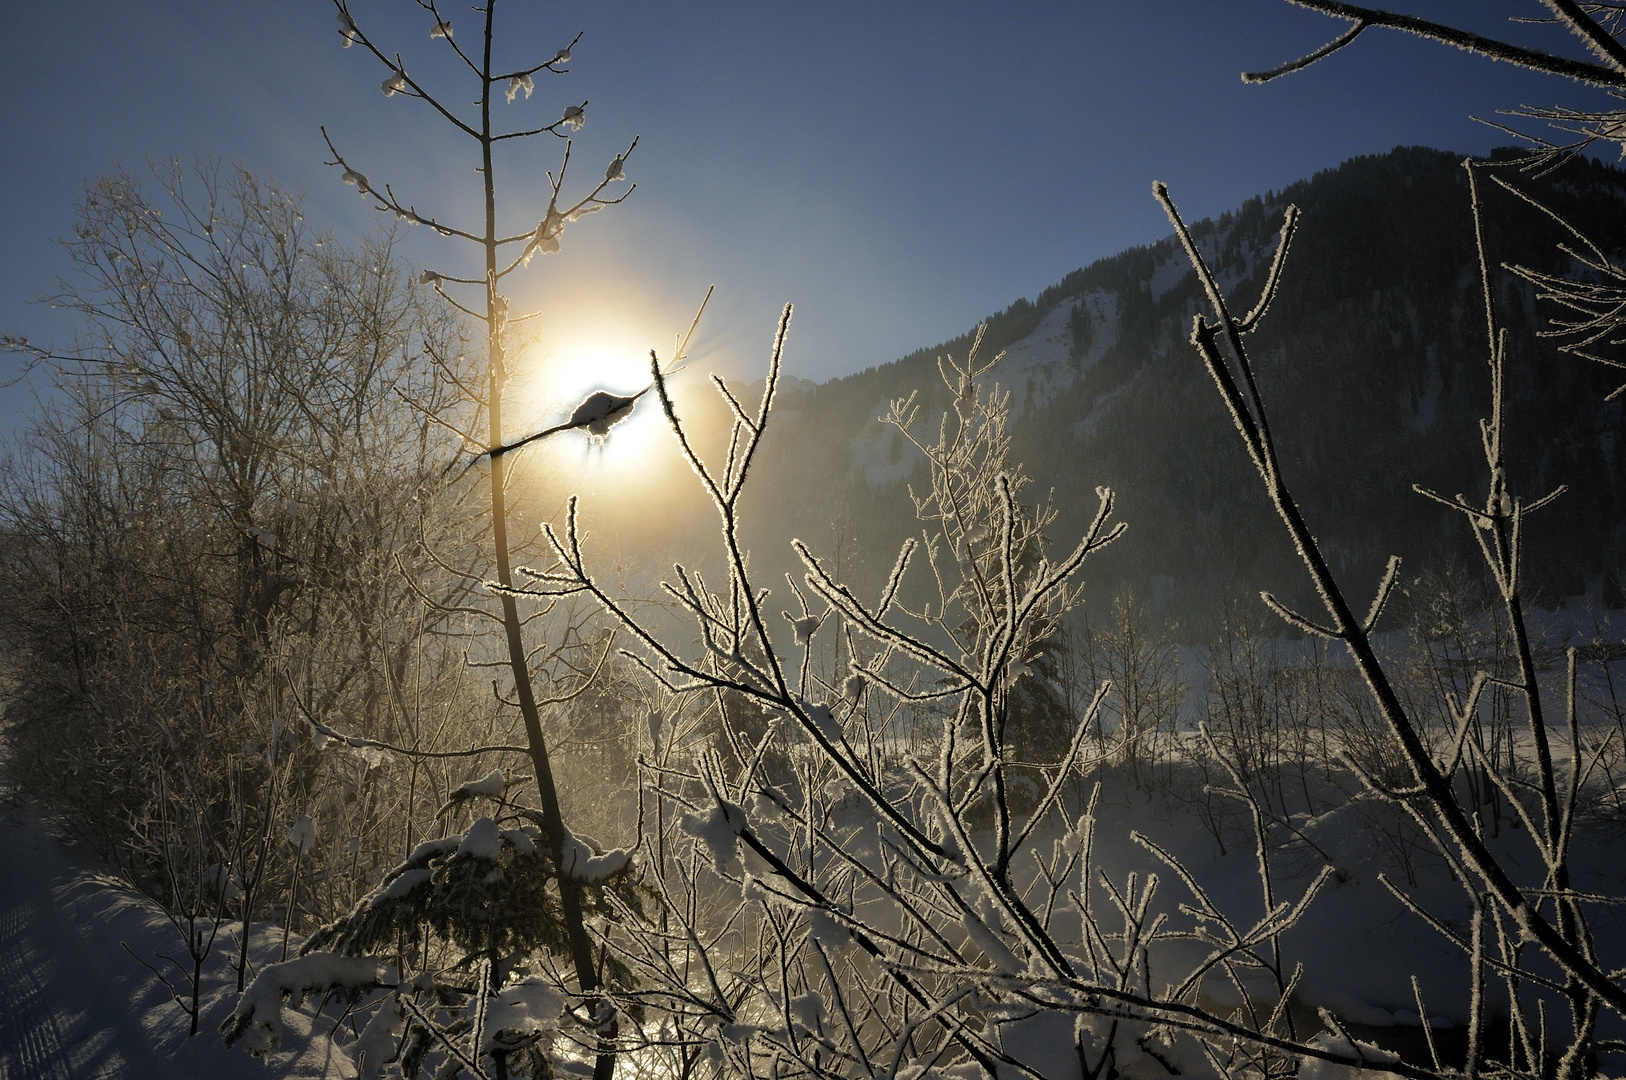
<point>1372,364</point>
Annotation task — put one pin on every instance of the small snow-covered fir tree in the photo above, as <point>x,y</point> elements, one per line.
<point>454,957</point>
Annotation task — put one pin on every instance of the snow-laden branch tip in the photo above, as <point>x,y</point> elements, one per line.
<point>347,28</point>
<point>518,83</point>
<point>584,861</point>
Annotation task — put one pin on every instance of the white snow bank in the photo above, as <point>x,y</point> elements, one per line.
<point>258,1016</point>
<point>1316,1069</point>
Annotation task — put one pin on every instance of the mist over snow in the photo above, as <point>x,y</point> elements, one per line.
<point>458,620</point>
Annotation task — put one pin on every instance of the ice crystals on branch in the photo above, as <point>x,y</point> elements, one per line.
<point>561,57</point>
<point>574,116</point>
<point>347,28</point>
<point>443,29</point>
<point>518,83</point>
<point>546,238</point>
<point>303,835</point>
<point>428,277</point>
<point>804,628</point>
<point>356,180</point>
<point>393,85</point>
<point>965,401</point>
<point>615,171</point>
<point>719,830</point>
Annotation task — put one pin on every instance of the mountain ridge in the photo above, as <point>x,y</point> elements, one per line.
<point>1371,363</point>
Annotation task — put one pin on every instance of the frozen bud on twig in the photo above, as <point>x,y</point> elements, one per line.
<point>394,84</point>
<point>561,57</point>
<point>356,180</point>
<point>347,28</point>
<point>804,628</point>
<point>574,117</point>
<point>852,687</point>
<point>428,277</point>
<point>615,171</point>
<point>443,29</point>
<point>518,83</point>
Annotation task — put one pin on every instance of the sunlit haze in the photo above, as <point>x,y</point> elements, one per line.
<point>898,171</point>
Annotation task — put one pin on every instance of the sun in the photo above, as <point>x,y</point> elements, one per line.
<point>558,376</point>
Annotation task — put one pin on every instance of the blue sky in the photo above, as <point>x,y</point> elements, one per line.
<point>897,169</point>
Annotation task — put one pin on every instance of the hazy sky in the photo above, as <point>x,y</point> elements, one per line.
<point>899,170</point>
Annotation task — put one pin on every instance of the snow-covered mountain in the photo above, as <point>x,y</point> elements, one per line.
<point>1371,362</point>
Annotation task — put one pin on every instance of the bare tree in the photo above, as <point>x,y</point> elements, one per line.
<point>208,519</point>
<point>1551,913</point>
<point>504,250</point>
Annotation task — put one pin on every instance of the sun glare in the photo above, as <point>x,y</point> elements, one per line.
<point>560,375</point>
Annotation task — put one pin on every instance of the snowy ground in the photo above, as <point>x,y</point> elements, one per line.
<point>75,1005</point>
